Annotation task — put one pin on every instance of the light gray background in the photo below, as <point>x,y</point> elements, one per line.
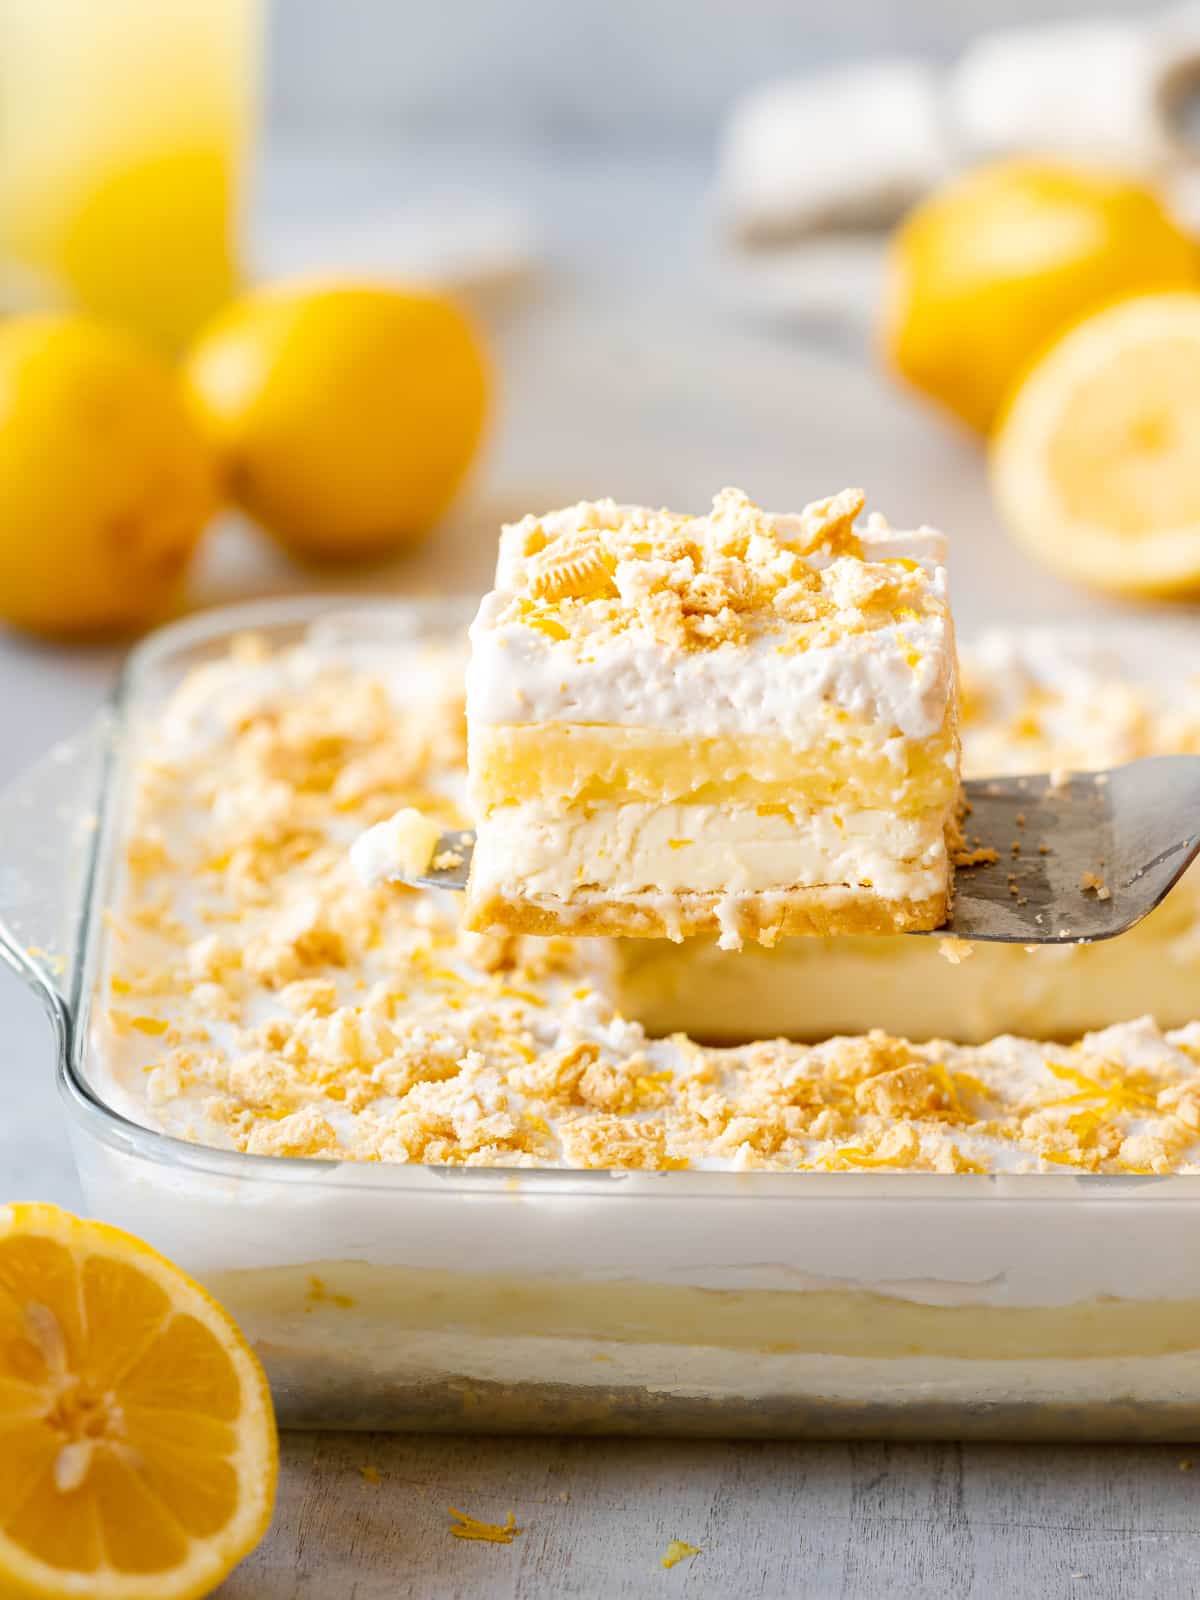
<point>627,73</point>
<point>623,371</point>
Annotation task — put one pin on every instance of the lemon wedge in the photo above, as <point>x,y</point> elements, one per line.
<point>1096,462</point>
<point>138,1450</point>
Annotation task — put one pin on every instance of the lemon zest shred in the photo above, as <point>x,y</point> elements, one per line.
<point>553,629</point>
<point>507,992</point>
<point>485,1532</point>
<point>154,1026</point>
<point>855,1155</point>
<point>966,1165</point>
<point>949,1088</point>
<point>1063,1158</point>
<point>647,1085</point>
<point>1115,1094</point>
<point>679,1550</point>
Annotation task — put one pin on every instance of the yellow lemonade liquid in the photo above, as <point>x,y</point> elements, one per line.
<point>124,127</point>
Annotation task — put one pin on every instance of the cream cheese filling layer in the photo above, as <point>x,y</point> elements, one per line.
<point>544,851</point>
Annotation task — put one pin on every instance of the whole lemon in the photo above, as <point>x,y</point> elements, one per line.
<point>345,417</point>
<point>106,483</point>
<point>984,274</point>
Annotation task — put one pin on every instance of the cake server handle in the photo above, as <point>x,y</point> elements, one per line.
<point>48,836</point>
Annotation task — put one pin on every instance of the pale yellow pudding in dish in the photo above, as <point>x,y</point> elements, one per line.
<point>741,723</point>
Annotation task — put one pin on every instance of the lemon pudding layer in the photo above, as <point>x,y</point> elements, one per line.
<point>740,723</point>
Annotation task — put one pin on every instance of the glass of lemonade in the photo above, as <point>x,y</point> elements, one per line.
<point>124,128</point>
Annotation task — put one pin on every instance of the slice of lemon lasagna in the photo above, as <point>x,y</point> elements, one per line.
<point>739,723</point>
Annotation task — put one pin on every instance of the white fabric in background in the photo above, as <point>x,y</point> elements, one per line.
<point>841,149</point>
<point>1084,89</point>
<point>810,155</point>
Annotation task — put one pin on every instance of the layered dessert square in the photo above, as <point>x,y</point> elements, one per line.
<point>739,724</point>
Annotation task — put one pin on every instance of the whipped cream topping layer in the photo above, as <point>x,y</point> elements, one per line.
<point>857,620</point>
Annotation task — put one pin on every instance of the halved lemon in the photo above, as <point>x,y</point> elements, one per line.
<point>1096,462</point>
<point>987,271</point>
<point>138,1450</point>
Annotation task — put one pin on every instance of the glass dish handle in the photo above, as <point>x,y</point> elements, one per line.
<point>48,822</point>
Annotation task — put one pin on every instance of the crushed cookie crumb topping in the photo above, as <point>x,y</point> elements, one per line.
<point>275,1005</point>
<point>597,570</point>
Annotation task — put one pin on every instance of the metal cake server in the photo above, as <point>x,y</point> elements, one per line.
<point>1080,857</point>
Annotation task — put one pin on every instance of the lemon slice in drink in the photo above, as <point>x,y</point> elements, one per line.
<point>1096,462</point>
<point>137,1442</point>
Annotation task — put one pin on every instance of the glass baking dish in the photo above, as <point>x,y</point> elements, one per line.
<point>874,1305</point>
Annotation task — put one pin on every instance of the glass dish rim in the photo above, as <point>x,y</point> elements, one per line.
<point>118,1131</point>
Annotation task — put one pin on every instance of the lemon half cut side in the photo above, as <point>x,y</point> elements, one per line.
<point>1096,462</point>
<point>138,1452</point>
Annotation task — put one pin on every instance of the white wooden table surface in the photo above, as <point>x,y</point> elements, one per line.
<point>622,376</point>
<point>772,1521</point>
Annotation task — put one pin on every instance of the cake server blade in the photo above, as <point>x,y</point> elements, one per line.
<point>1079,856</point>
